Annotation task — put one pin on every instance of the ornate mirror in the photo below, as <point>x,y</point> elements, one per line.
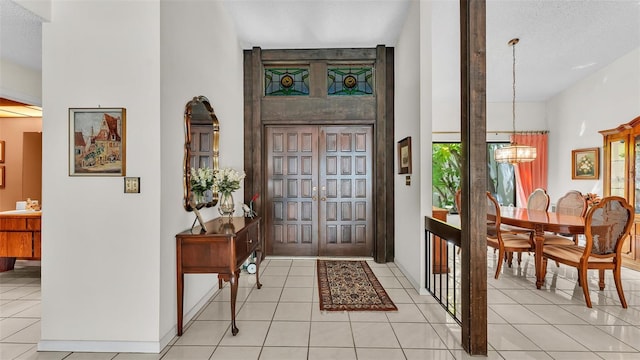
<point>201,140</point>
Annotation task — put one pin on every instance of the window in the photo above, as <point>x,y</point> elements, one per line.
<point>446,176</point>
<point>350,80</point>
<point>291,81</point>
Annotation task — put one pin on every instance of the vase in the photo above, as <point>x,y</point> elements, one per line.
<point>226,207</point>
<point>198,199</point>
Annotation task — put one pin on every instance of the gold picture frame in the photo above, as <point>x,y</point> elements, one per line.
<point>585,164</point>
<point>404,156</point>
<point>97,141</point>
<point>2,179</point>
<point>1,151</point>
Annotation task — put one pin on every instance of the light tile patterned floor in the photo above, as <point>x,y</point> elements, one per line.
<point>282,321</point>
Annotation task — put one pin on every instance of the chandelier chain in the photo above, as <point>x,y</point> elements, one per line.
<point>514,153</point>
<point>513,103</point>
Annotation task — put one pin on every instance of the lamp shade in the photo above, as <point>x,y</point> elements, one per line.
<point>514,154</point>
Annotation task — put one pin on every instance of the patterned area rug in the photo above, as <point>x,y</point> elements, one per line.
<point>352,286</point>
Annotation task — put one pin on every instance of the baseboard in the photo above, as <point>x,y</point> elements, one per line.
<point>101,346</point>
<point>410,279</point>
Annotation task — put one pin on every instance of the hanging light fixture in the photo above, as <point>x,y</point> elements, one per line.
<point>515,153</point>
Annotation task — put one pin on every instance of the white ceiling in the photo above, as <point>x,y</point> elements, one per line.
<point>20,35</point>
<point>561,41</point>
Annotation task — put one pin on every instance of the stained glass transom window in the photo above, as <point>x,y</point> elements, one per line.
<point>286,81</point>
<point>350,80</point>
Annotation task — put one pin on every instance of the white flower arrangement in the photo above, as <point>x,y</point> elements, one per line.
<point>202,179</point>
<point>227,180</point>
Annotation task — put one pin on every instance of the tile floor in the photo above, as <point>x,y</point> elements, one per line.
<point>282,320</point>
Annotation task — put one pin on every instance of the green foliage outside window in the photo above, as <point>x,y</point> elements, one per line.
<point>446,175</point>
<point>447,159</point>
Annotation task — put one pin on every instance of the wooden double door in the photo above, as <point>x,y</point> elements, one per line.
<point>319,190</point>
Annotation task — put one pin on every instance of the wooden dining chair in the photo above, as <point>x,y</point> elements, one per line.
<point>571,203</point>
<point>538,200</point>
<point>504,242</point>
<point>607,224</point>
<point>458,200</point>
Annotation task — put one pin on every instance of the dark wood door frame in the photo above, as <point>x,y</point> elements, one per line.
<point>260,111</point>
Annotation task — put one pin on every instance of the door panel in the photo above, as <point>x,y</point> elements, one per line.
<point>292,163</point>
<point>319,191</point>
<point>346,210</point>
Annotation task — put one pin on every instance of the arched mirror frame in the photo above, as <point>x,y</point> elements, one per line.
<point>215,140</point>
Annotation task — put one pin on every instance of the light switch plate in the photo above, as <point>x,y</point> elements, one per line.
<point>131,185</point>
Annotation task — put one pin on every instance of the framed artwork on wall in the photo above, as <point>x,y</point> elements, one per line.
<point>1,151</point>
<point>97,142</point>
<point>585,164</point>
<point>404,156</point>
<point>1,177</point>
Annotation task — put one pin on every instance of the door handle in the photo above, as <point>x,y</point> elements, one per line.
<point>324,194</point>
<point>313,193</point>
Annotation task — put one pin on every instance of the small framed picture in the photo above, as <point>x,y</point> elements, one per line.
<point>97,142</point>
<point>1,151</point>
<point>1,177</point>
<point>404,156</point>
<point>585,164</point>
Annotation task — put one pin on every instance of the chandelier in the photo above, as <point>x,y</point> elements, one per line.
<point>515,153</point>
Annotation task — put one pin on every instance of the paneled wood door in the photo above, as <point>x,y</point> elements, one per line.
<point>319,190</point>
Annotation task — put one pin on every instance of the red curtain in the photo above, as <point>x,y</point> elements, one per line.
<point>531,175</point>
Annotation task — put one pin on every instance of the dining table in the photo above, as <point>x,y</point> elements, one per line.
<point>541,221</point>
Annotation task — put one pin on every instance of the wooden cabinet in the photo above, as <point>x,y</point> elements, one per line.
<point>19,237</point>
<point>222,250</point>
<point>622,178</point>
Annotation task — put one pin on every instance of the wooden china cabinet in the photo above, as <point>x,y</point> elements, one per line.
<point>622,178</point>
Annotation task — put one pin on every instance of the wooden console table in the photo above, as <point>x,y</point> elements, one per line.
<point>222,249</point>
<point>19,237</point>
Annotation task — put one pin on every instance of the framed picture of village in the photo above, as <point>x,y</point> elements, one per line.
<point>97,141</point>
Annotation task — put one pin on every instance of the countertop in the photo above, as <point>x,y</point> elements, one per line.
<point>21,212</point>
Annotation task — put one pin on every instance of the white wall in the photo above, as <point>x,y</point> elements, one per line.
<point>530,116</point>
<point>604,100</point>
<point>426,31</point>
<point>20,83</point>
<point>200,56</point>
<point>101,247</point>
<point>109,282</point>
<point>41,8</point>
<point>17,82</point>
<point>446,87</point>
<point>408,96</point>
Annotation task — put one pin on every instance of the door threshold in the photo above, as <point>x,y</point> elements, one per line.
<point>279,257</point>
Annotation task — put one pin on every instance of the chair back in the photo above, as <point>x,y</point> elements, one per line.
<point>538,200</point>
<point>607,225</point>
<point>458,200</point>
<point>572,203</point>
<point>493,217</point>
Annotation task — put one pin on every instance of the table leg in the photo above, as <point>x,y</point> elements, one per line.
<point>258,260</point>
<point>538,243</point>
<point>233,281</point>
<point>180,300</point>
